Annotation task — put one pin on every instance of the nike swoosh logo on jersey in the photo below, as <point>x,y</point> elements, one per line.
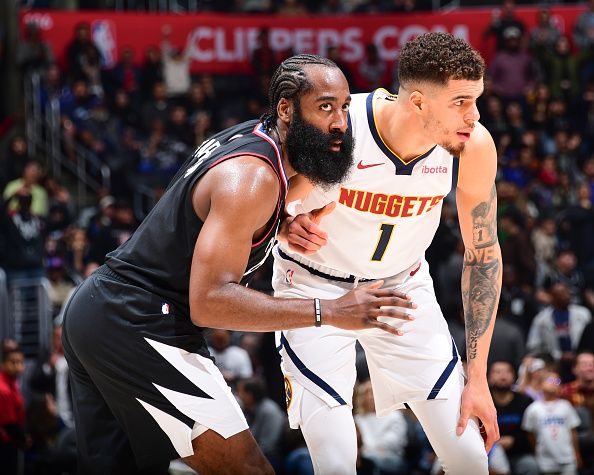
<point>360,165</point>
<point>413,272</point>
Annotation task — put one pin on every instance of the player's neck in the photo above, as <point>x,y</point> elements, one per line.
<point>401,130</point>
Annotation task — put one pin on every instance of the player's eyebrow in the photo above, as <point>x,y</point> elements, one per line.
<point>331,98</point>
<point>457,98</point>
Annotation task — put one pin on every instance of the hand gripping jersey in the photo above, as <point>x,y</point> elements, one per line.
<point>158,255</point>
<point>388,210</point>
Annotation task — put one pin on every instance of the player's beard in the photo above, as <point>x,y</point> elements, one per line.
<point>309,152</point>
<point>436,127</point>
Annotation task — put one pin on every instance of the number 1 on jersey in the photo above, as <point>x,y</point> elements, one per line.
<point>382,243</point>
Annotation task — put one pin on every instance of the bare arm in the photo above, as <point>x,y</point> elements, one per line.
<point>236,199</point>
<point>481,273</point>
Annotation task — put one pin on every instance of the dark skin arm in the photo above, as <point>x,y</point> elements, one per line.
<point>236,199</point>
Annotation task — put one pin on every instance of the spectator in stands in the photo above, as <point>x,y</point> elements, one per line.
<point>508,341</point>
<point>176,66</point>
<point>126,76</point>
<point>50,376</point>
<point>60,284</point>
<point>157,108</point>
<point>516,248</point>
<point>291,8</point>
<point>558,328</point>
<point>265,418</point>
<point>79,49</point>
<point>233,361</point>
<point>23,234</point>
<point>13,163</point>
<point>561,70</point>
<point>32,53</point>
<point>255,6</point>
<point>577,226</point>
<point>151,71</point>
<point>263,59</point>
<point>197,102</point>
<point>502,22</point>
<point>384,439</point>
<point>532,373</point>
<point>12,410</point>
<point>30,179</point>
<point>544,36</point>
<point>510,406</point>
<point>580,393</point>
<point>112,232</point>
<point>332,7</point>
<point>60,213</point>
<point>552,425</point>
<point>583,32</point>
<point>512,70</point>
<point>564,271</point>
<point>546,244</point>
<point>369,7</point>
<point>48,451</point>
<point>160,157</point>
<point>372,70</point>
<point>179,128</point>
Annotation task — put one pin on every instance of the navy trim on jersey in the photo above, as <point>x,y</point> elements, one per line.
<point>309,374</point>
<point>401,167</point>
<point>455,171</point>
<point>446,373</point>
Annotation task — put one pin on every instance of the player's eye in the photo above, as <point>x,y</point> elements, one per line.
<point>346,107</point>
<point>326,107</point>
<point>459,103</point>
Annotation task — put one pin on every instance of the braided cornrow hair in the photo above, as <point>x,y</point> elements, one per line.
<point>290,81</point>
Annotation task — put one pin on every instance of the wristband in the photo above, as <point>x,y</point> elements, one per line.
<point>318,311</point>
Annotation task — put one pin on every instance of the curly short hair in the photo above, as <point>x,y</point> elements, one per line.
<point>438,57</point>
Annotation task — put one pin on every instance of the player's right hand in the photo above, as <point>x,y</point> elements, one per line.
<point>304,234</point>
<point>361,307</point>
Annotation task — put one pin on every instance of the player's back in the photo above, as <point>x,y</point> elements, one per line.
<point>388,210</point>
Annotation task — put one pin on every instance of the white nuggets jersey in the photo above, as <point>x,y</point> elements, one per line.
<point>388,210</point>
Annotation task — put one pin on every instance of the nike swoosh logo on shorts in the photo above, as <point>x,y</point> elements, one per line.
<point>360,165</point>
<point>413,272</point>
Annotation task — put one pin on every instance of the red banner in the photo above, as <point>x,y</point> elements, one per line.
<point>223,43</point>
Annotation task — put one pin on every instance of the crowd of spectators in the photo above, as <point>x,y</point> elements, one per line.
<point>143,119</point>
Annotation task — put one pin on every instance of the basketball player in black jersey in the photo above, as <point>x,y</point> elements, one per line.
<point>145,390</point>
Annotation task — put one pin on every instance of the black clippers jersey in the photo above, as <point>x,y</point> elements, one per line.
<point>158,256</point>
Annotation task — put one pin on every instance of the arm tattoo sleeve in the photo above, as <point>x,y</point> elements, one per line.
<point>480,274</point>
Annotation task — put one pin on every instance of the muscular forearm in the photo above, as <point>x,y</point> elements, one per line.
<point>481,286</point>
<point>234,307</point>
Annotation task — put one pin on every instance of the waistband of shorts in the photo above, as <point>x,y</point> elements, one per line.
<point>106,270</point>
<point>321,271</point>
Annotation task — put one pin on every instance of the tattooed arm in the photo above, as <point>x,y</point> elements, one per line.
<point>481,273</point>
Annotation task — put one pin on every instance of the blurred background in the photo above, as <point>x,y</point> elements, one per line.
<point>102,100</point>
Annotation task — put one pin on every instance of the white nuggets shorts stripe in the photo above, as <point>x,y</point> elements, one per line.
<point>415,366</point>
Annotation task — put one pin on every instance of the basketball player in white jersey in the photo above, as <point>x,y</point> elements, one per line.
<point>410,151</point>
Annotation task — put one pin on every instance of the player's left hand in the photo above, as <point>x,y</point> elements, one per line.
<point>303,234</point>
<point>477,401</point>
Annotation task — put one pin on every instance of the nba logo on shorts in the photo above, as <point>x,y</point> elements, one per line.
<point>289,277</point>
<point>165,309</point>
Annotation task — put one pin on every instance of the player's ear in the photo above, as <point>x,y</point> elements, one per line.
<point>417,101</point>
<point>284,110</point>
